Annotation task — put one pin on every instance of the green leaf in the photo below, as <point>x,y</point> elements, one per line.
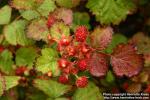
<point>35,94</point>
<point>46,7</point>
<point>6,62</point>
<point>7,82</point>
<point>110,77</point>
<point>29,14</point>
<point>68,3</point>
<point>48,62</point>
<point>51,88</point>
<point>91,92</point>
<point>117,39</point>
<point>25,57</point>
<point>59,29</point>
<point>110,11</point>
<point>38,30</point>
<point>81,19</point>
<point>23,4</point>
<point>57,99</point>
<point>5,15</point>
<point>142,42</point>
<point>15,33</point>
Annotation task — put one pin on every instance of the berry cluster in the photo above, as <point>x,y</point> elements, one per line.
<point>74,55</point>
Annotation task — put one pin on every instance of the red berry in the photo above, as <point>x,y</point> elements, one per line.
<point>64,42</point>
<point>82,82</point>
<point>63,63</point>
<point>115,90</point>
<point>125,85</point>
<point>1,48</point>
<point>81,33</point>
<point>20,70</point>
<point>82,64</point>
<point>63,79</point>
<point>147,90</point>
<point>51,20</point>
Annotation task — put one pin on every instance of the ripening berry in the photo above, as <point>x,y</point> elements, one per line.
<point>63,79</point>
<point>125,85</point>
<point>147,90</point>
<point>63,63</point>
<point>64,42</point>
<point>20,70</point>
<point>82,82</point>
<point>82,64</point>
<point>81,33</point>
<point>1,48</point>
<point>51,20</point>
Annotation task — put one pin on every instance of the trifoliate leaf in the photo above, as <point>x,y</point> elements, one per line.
<point>98,65</point>
<point>59,29</point>
<point>91,92</point>
<point>51,88</point>
<point>101,37</point>
<point>46,7</point>
<point>81,19</point>
<point>29,14</point>
<point>7,82</point>
<point>15,33</point>
<point>23,4</point>
<point>126,61</point>
<point>68,3</point>
<point>47,62</point>
<point>110,11</point>
<point>5,15</point>
<point>117,39</point>
<point>38,30</point>
<point>6,62</point>
<point>25,57</point>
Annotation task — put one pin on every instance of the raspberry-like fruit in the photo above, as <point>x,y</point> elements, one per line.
<point>63,79</point>
<point>147,90</point>
<point>82,64</point>
<point>82,82</point>
<point>20,70</point>
<point>1,48</point>
<point>63,63</point>
<point>64,41</point>
<point>81,33</point>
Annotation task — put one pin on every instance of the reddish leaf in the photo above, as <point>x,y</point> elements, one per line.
<point>101,37</point>
<point>125,61</point>
<point>97,64</point>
